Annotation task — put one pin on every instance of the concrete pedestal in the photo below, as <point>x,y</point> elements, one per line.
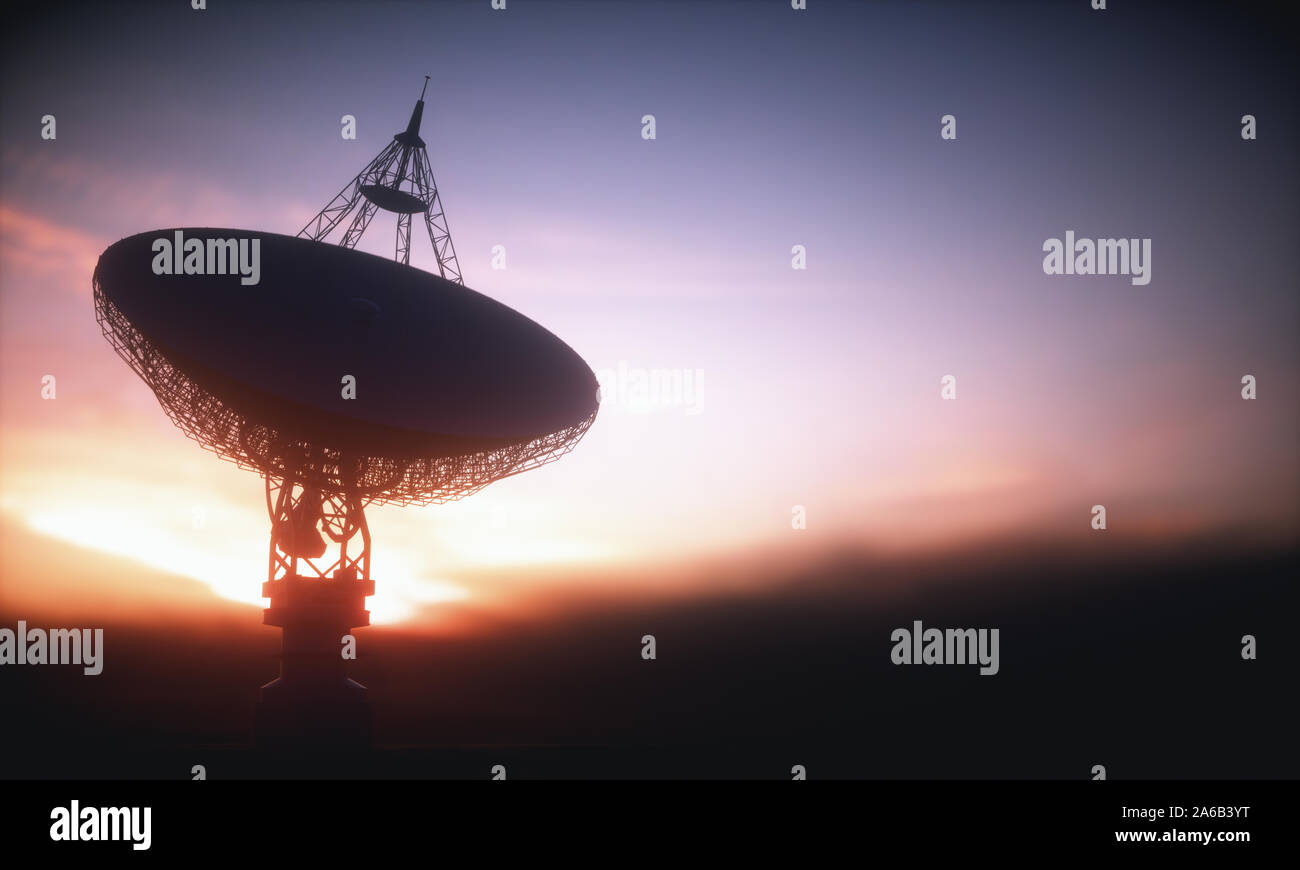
<point>313,704</point>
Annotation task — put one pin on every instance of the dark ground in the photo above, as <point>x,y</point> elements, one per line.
<point>1132,662</point>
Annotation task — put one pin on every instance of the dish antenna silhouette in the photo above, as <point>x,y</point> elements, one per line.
<point>344,379</point>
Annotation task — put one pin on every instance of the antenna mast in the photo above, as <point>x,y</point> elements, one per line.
<point>398,180</point>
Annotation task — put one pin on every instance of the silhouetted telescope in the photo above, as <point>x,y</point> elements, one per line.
<point>343,379</point>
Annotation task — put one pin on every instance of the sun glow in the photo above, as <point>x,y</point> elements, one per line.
<point>233,576</point>
<point>123,533</point>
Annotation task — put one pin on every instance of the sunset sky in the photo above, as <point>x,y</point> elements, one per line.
<point>820,388</point>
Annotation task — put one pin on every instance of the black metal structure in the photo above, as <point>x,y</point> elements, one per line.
<point>398,180</point>
<point>344,379</point>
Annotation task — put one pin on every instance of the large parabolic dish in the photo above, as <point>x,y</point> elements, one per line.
<point>453,390</point>
<point>344,379</point>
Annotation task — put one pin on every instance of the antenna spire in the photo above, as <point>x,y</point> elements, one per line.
<point>399,180</point>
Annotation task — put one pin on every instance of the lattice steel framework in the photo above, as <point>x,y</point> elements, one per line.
<point>399,180</point>
<point>317,491</point>
<point>297,512</point>
<point>384,479</point>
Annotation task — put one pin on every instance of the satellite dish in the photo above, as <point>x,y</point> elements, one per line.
<point>344,379</point>
<point>450,390</point>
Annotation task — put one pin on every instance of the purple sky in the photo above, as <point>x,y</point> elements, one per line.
<point>821,387</point>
